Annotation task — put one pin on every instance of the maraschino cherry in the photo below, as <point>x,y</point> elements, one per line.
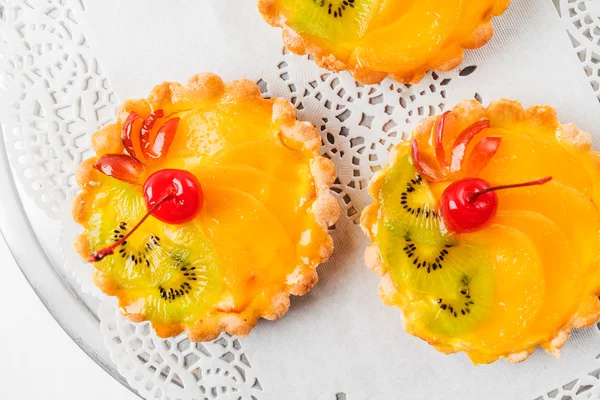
<point>173,196</point>
<point>470,204</point>
<point>186,199</point>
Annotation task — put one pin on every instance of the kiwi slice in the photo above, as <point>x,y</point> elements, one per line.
<point>448,280</point>
<point>115,212</point>
<point>173,267</point>
<point>407,202</point>
<point>465,302</point>
<point>192,283</point>
<point>337,21</point>
<point>450,283</point>
<point>431,264</point>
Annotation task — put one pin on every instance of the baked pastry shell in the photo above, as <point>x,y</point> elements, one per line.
<point>302,44</point>
<point>325,207</point>
<point>470,110</point>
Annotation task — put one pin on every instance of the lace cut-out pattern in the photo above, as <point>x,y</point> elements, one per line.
<point>351,117</point>
<point>581,19</point>
<point>176,368</point>
<point>53,94</point>
<point>585,386</point>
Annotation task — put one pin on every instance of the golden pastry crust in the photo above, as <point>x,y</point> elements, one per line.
<point>304,44</point>
<point>302,137</point>
<point>471,110</point>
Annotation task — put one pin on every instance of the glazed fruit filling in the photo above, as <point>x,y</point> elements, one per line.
<point>389,35</point>
<point>246,224</point>
<point>514,280</point>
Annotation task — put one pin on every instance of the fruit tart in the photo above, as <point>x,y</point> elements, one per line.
<point>204,207</point>
<point>376,38</point>
<point>485,229</point>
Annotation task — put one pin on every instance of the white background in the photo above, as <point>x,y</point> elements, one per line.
<point>38,360</point>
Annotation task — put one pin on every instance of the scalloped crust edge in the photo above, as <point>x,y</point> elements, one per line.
<point>303,137</point>
<point>543,115</point>
<point>304,44</point>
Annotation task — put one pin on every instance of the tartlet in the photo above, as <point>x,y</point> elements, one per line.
<point>528,275</point>
<point>374,39</point>
<point>261,228</point>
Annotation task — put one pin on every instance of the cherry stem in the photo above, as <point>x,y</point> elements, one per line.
<point>474,196</point>
<point>110,250</point>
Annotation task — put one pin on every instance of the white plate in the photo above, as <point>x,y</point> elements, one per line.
<point>54,93</point>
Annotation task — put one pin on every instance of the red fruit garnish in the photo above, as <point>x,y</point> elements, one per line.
<point>110,250</point>
<point>440,153</point>
<point>147,127</point>
<point>462,142</point>
<point>440,169</point>
<point>150,150</point>
<point>173,196</point>
<point>121,167</point>
<point>187,197</point>
<point>160,147</point>
<point>482,154</point>
<point>470,204</point>
<point>128,133</point>
<point>141,144</point>
<point>426,166</point>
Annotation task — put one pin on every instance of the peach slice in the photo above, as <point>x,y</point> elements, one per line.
<point>523,157</point>
<point>518,292</point>
<point>275,160</point>
<point>562,273</point>
<point>257,261</point>
<point>557,201</point>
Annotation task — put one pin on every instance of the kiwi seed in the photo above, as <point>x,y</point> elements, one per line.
<point>139,258</point>
<point>171,293</point>
<point>453,309</point>
<point>335,10</point>
<point>434,264</point>
<point>405,197</point>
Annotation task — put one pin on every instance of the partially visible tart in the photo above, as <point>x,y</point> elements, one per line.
<point>377,38</point>
<point>525,276</point>
<point>261,207</point>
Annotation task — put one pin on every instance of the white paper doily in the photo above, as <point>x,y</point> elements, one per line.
<point>53,94</point>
